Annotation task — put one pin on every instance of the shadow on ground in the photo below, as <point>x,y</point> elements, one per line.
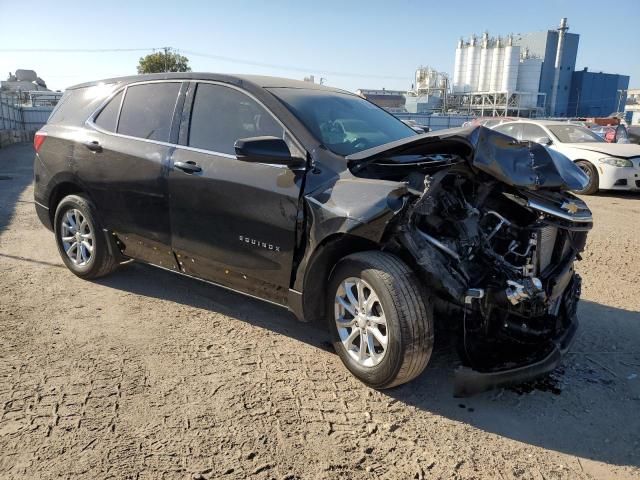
<point>576,418</point>
<point>15,176</point>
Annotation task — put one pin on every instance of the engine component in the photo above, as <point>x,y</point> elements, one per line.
<point>529,288</point>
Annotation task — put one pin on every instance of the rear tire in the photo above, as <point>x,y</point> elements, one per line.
<point>80,238</point>
<point>379,286</point>
<point>592,173</point>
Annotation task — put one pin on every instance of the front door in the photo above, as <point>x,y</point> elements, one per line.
<point>232,222</point>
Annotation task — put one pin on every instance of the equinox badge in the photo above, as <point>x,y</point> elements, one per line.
<point>258,243</point>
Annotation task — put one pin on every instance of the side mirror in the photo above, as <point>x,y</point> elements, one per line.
<point>543,140</point>
<point>272,150</point>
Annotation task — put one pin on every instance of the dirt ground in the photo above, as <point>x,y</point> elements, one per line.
<point>145,374</point>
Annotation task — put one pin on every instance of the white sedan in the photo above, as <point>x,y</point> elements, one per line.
<point>610,166</point>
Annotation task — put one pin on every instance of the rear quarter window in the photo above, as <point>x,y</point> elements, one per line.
<point>77,105</point>
<point>108,118</point>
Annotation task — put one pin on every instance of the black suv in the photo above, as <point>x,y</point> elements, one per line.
<point>317,200</point>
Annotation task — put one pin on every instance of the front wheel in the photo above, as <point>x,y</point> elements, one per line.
<point>81,242</point>
<point>592,173</point>
<point>380,319</point>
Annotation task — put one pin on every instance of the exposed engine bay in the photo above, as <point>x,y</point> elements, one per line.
<point>498,256</point>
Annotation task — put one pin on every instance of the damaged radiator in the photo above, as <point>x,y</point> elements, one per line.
<point>547,242</point>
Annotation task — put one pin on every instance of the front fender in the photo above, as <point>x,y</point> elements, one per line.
<point>356,211</point>
<point>360,207</point>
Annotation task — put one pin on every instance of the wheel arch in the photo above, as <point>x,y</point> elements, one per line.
<point>321,265</point>
<point>595,169</point>
<point>61,190</point>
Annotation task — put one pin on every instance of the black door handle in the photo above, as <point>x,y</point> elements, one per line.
<point>94,146</point>
<point>188,167</point>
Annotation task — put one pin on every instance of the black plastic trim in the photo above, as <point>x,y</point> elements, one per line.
<point>469,382</point>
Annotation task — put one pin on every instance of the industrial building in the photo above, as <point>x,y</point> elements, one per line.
<point>522,75</point>
<point>531,74</point>
<point>597,94</point>
<point>429,92</point>
<point>558,50</point>
<point>519,75</point>
<point>632,107</point>
<point>392,100</point>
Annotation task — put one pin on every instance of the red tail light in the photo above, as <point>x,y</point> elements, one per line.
<point>38,140</point>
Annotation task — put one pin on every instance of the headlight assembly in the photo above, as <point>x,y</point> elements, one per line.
<point>616,162</point>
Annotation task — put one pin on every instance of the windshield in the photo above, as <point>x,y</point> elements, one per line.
<point>574,134</point>
<point>344,123</point>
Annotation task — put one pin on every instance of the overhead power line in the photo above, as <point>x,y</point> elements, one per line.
<point>289,67</point>
<point>74,50</point>
<point>222,58</point>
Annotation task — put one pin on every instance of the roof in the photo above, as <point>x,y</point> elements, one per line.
<point>257,80</point>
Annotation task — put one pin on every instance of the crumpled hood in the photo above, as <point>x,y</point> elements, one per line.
<point>523,165</point>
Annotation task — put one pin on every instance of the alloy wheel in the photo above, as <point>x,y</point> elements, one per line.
<point>361,323</point>
<point>77,237</point>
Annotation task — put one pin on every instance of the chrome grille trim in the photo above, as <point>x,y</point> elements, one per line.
<point>580,217</point>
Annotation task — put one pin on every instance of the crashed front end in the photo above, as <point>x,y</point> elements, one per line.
<point>489,224</point>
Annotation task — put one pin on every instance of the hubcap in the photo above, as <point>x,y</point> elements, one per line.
<point>77,237</point>
<point>360,320</point>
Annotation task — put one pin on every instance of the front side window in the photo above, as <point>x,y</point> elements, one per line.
<point>574,134</point>
<point>343,123</point>
<point>108,118</point>
<point>221,115</point>
<point>147,110</point>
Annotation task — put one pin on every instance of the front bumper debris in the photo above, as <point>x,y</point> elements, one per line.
<point>468,382</point>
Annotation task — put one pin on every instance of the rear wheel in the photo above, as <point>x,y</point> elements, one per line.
<point>592,173</point>
<point>80,239</point>
<point>380,320</point>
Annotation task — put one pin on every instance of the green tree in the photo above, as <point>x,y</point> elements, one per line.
<point>165,61</point>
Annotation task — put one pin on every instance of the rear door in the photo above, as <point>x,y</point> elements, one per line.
<point>125,165</point>
<point>232,222</point>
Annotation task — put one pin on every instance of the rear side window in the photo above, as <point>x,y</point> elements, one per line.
<point>221,115</point>
<point>108,117</point>
<point>532,132</point>
<point>78,104</point>
<point>147,110</point>
<point>512,129</point>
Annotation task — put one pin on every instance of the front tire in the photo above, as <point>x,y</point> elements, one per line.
<point>80,239</point>
<point>380,319</point>
<point>592,173</point>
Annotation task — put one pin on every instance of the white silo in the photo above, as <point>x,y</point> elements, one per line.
<point>458,69</point>
<point>510,69</point>
<point>495,78</point>
<point>485,64</point>
<point>472,64</point>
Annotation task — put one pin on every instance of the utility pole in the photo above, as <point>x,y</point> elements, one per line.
<point>166,53</point>
<point>621,93</point>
